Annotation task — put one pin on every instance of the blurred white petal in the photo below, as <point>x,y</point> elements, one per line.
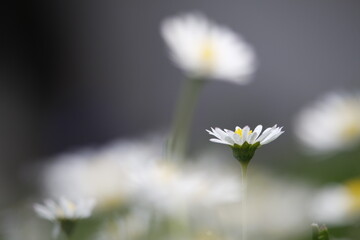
<point>202,48</point>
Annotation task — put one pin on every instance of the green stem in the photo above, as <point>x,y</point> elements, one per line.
<point>244,201</point>
<point>123,230</point>
<point>153,227</point>
<point>315,232</point>
<point>182,120</point>
<point>319,232</point>
<point>67,229</point>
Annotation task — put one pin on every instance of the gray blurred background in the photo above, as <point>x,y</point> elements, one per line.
<point>77,74</point>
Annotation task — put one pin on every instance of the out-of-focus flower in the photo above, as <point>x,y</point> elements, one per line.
<point>204,49</point>
<point>244,141</point>
<point>65,209</point>
<point>105,174</point>
<point>337,204</point>
<point>65,213</point>
<point>278,208</point>
<point>131,172</point>
<point>331,124</point>
<point>134,225</point>
<point>171,189</point>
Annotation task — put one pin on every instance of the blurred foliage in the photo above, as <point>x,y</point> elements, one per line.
<point>319,169</point>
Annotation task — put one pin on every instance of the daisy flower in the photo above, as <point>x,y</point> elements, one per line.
<point>244,141</point>
<point>337,204</point>
<point>169,188</point>
<point>65,209</point>
<point>278,204</point>
<point>104,173</point>
<point>331,124</point>
<point>204,49</point>
<point>64,213</point>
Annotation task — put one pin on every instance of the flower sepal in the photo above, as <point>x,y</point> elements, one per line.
<point>67,226</point>
<point>245,152</point>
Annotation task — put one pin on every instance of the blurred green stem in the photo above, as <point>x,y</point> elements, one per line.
<point>66,228</point>
<point>177,143</point>
<point>123,229</point>
<point>319,232</point>
<point>153,226</point>
<point>244,201</point>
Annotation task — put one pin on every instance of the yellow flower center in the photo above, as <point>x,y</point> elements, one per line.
<point>166,173</point>
<point>353,187</point>
<point>207,53</point>
<point>109,202</point>
<point>71,206</point>
<point>351,131</point>
<point>351,114</point>
<point>239,131</point>
<point>61,213</point>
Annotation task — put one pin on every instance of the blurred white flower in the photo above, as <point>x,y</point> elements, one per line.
<point>105,174</point>
<point>204,49</point>
<point>65,209</point>
<point>134,225</point>
<point>337,204</point>
<point>242,135</point>
<point>171,189</point>
<point>330,124</point>
<point>131,172</point>
<point>277,208</point>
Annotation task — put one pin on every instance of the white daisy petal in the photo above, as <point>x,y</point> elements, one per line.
<point>272,138</point>
<point>213,132</point>
<point>264,134</point>
<point>219,141</point>
<point>270,135</point>
<point>65,209</point>
<point>258,129</point>
<point>224,136</point>
<point>43,212</point>
<point>220,133</point>
<point>252,137</point>
<point>237,139</point>
<point>245,133</point>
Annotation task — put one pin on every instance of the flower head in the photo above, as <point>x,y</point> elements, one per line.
<point>168,188</point>
<point>244,141</point>
<point>104,174</point>
<point>65,209</point>
<point>337,204</point>
<point>331,124</point>
<point>204,49</point>
<point>281,214</point>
